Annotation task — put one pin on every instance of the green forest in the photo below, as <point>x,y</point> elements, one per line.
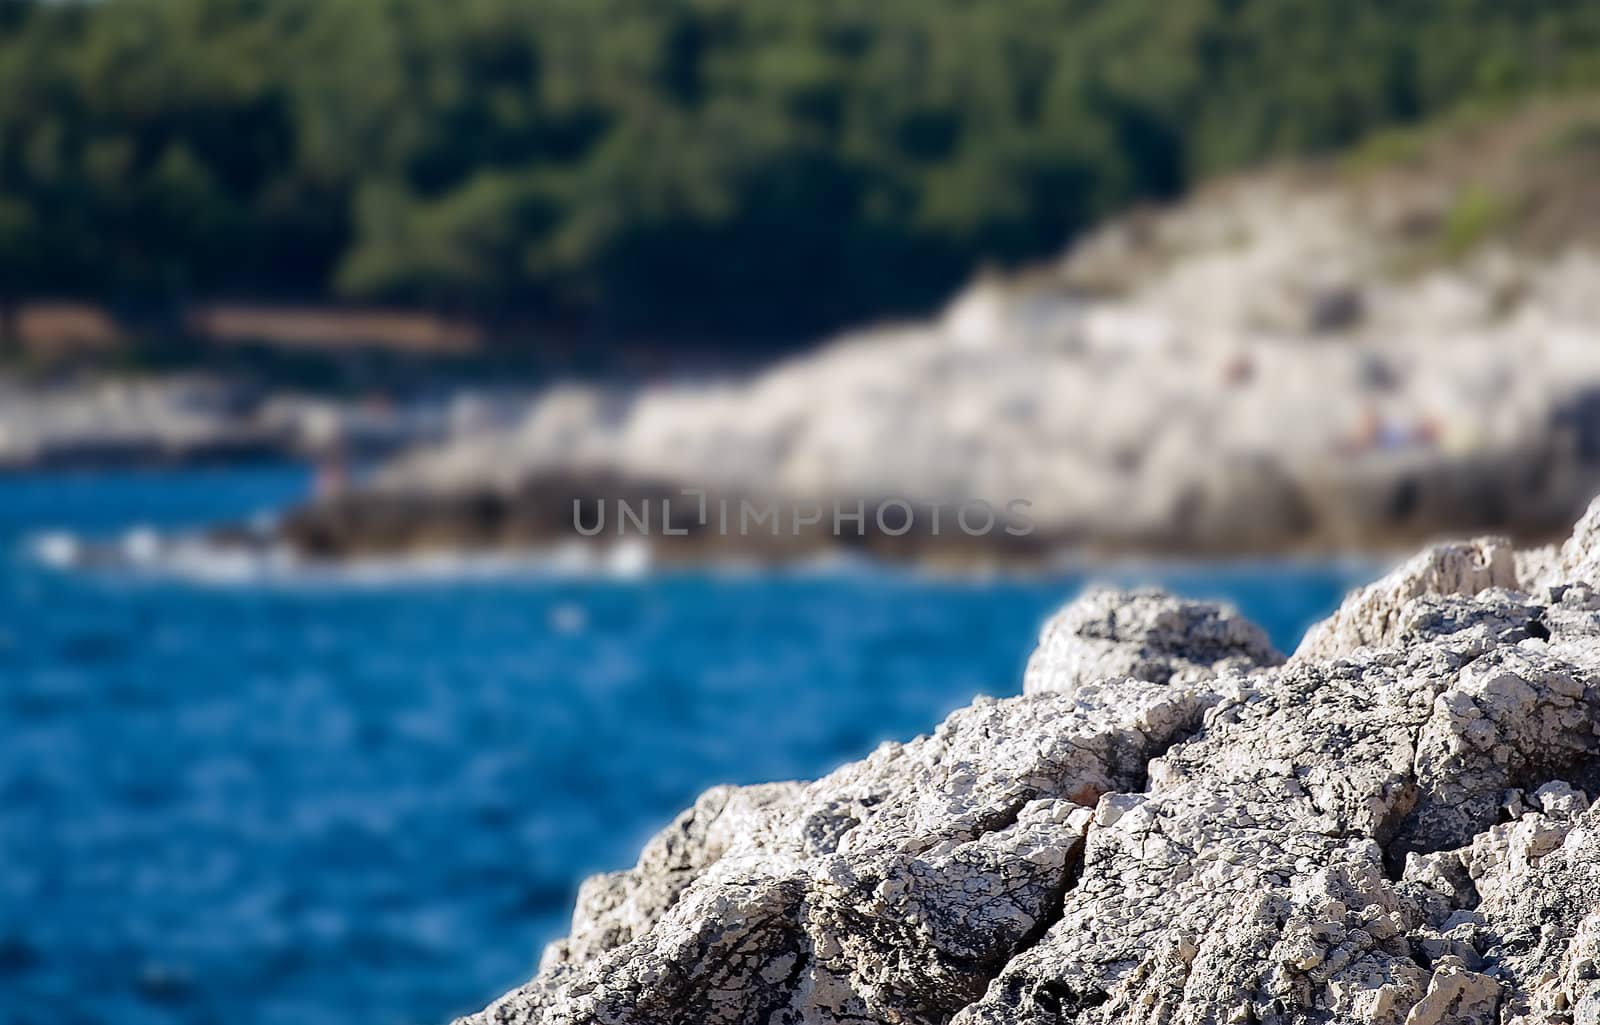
<point>730,169</point>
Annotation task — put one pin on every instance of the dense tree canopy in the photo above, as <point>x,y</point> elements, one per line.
<point>731,168</point>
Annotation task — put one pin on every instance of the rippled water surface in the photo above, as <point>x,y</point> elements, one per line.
<point>336,800</point>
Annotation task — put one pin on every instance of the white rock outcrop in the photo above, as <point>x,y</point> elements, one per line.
<point>1372,615</point>
<point>1146,634</point>
<point>1393,827</point>
<point>1244,372</point>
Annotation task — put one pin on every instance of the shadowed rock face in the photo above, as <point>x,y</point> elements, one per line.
<point>1147,634</point>
<point>1170,827</point>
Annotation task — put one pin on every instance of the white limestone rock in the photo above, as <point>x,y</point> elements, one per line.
<point>1392,828</point>
<point>1243,372</point>
<point>892,889</point>
<point>1147,634</point>
<point>1371,616</point>
<point>1576,561</point>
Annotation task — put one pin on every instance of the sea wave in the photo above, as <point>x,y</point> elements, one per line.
<point>143,552</point>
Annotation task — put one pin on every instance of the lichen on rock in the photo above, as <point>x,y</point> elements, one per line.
<point>1170,827</point>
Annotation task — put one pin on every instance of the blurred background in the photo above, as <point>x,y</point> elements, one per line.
<point>316,316</point>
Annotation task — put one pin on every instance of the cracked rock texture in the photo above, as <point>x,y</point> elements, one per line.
<point>1172,825</point>
<point>1146,634</point>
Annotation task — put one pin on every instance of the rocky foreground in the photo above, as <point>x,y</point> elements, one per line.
<point>1173,824</point>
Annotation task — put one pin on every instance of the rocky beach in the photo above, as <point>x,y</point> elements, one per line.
<point>1318,358</point>
<point>1174,823</point>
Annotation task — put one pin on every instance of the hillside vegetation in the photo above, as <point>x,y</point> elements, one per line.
<point>709,168</point>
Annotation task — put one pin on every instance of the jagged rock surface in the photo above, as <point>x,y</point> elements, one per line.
<point>1391,828</point>
<point>1147,634</point>
<point>893,889</point>
<point>1372,615</point>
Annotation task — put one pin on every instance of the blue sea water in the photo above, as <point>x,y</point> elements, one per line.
<point>322,800</point>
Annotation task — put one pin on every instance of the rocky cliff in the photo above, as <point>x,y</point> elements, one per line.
<point>1173,824</point>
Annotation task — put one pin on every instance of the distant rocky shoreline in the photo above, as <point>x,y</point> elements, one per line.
<point>1300,360</point>
<point>1174,824</point>
<point>544,513</point>
<point>177,420</point>
<point>602,511</point>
